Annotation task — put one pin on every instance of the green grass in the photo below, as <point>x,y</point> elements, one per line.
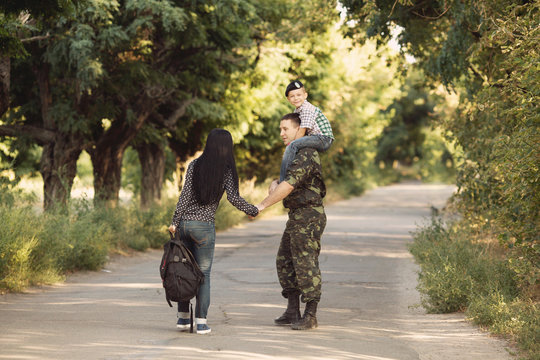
<point>462,271</point>
<point>41,248</point>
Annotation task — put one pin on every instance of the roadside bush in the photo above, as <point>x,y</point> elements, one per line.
<point>505,315</point>
<point>74,242</point>
<point>19,239</point>
<point>39,248</point>
<point>462,271</point>
<point>148,229</point>
<point>444,279</point>
<point>455,269</point>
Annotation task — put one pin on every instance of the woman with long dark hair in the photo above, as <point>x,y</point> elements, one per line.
<point>207,178</point>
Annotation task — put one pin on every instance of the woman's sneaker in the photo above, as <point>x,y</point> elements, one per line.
<point>202,328</point>
<point>183,322</point>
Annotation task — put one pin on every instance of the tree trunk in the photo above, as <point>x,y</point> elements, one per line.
<point>152,159</point>
<point>60,153</point>
<point>185,149</point>
<point>5,68</point>
<point>107,166</point>
<point>108,152</point>
<point>58,169</point>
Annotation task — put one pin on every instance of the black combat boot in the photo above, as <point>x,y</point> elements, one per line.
<point>292,314</point>
<point>309,320</point>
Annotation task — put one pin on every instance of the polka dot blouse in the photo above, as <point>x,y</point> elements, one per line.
<point>188,208</point>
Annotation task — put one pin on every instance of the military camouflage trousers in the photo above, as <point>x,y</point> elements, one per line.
<point>297,260</point>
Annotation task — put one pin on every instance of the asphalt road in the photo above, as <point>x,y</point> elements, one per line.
<point>368,309</point>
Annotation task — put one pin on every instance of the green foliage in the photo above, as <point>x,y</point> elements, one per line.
<point>498,130</point>
<point>455,269</point>
<point>403,138</point>
<point>15,25</point>
<point>19,242</point>
<point>411,146</point>
<point>9,44</point>
<point>437,161</point>
<point>439,34</point>
<point>351,86</point>
<point>40,248</point>
<point>147,229</point>
<point>487,51</point>
<point>511,317</point>
<point>458,272</point>
<point>359,86</point>
<point>131,172</point>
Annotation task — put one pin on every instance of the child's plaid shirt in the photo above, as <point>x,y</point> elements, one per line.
<point>313,120</point>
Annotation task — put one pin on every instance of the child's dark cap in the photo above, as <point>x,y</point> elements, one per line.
<point>294,85</point>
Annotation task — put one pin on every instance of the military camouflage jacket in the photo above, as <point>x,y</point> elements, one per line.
<point>305,174</point>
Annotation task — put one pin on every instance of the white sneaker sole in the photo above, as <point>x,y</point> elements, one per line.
<point>202,332</point>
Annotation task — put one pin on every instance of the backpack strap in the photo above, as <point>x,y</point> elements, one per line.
<point>191,318</point>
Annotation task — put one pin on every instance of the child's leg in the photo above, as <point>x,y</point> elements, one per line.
<point>288,157</point>
<point>326,141</point>
<point>319,143</point>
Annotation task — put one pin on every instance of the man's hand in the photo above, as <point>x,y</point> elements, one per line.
<point>279,193</point>
<point>260,208</point>
<point>273,186</point>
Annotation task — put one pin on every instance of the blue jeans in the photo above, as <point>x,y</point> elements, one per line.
<point>318,142</point>
<point>200,239</point>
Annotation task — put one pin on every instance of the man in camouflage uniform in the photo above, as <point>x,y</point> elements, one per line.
<point>297,260</point>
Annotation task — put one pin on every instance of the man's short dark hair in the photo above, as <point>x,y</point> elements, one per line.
<point>294,117</point>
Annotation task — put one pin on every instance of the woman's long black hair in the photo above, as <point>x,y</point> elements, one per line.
<point>211,167</point>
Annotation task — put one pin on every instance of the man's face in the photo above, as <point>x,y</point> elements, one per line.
<point>288,130</point>
<point>297,97</point>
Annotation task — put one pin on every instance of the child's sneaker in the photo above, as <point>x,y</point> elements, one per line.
<point>183,322</point>
<point>202,328</point>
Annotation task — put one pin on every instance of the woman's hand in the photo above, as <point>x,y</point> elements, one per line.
<point>259,207</point>
<point>172,229</point>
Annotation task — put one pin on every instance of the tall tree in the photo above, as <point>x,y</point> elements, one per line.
<point>221,49</point>
<point>32,114</point>
<point>488,52</point>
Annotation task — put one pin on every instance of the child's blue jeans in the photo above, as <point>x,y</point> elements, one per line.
<point>318,142</point>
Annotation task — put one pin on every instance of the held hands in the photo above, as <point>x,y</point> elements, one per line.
<point>172,229</point>
<point>271,189</point>
<point>260,208</point>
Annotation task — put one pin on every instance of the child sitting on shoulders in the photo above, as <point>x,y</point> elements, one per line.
<point>313,124</point>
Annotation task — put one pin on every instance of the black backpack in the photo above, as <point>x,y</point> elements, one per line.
<point>180,273</point>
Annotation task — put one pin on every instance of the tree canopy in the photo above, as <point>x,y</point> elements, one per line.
<point>487,51</point>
